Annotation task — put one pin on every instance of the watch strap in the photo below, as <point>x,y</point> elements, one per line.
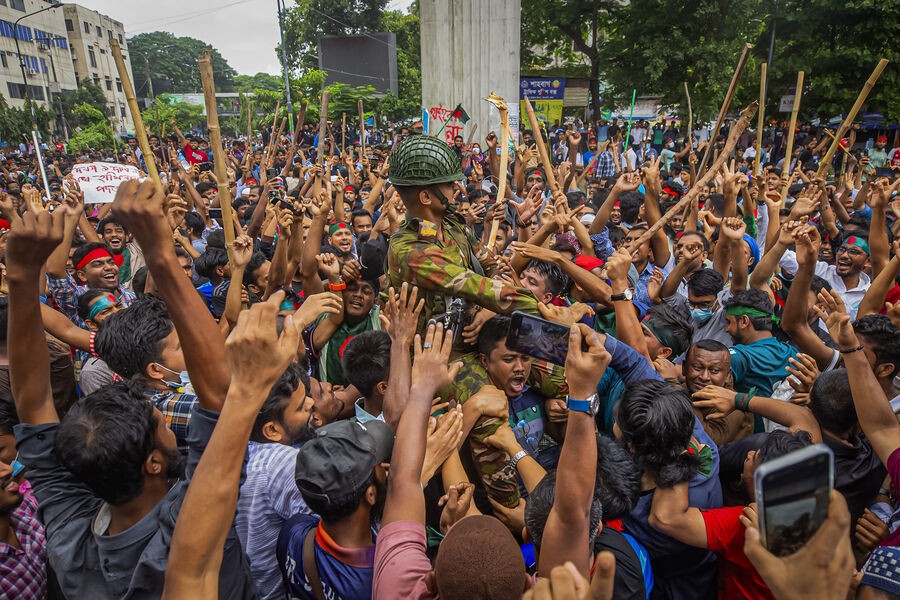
<point>579,405</point>
<point>518,456</point>
<point>618,297</point>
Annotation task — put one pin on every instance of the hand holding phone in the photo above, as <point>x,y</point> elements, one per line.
<point>537,337</point>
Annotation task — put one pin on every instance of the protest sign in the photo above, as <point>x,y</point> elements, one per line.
<point>99,181</point>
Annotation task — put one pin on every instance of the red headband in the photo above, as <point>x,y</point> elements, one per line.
<point>91,256</point>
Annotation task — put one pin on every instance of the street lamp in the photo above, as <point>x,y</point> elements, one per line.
<point>34,137</point>
<point>55,4</point>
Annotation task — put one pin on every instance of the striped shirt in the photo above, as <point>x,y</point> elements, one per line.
<point>23,570</point>
<point>268,498</point>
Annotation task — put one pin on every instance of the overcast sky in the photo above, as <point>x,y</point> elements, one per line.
<point>245,32</point>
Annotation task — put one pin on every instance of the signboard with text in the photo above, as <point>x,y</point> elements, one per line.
<point>542,88</point>
<point>99,181</point>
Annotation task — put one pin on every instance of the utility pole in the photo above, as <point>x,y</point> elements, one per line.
<point>284,68</point>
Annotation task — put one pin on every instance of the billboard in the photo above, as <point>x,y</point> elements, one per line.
<point>358,60</point>
<point>546,95</point>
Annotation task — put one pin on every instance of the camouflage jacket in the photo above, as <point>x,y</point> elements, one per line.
<point>447,268</point>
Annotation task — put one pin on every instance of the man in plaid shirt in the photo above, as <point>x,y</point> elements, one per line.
<point>23,545</point>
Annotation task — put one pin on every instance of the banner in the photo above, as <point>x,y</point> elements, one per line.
<point>542,88</point>
<point>548,112</point>
<point>99,181</point>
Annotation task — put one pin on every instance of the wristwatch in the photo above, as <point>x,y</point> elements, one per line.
<point>590,406</point>
<point>626,295</point>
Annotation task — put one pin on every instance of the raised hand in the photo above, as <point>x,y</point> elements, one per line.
<point>805,371</point>
<point>538,252</point>
<point>241,251</point>
<point>457,503</point>
<point>628,182</point>
<point>32,240</point>
<point>315,306</point>
<point>717,398</point>
<point>618,264</point>
<point>430,368</point>
<point>733,228</point>
<point>330,265</point>
<point>808,244</point>
<point>401,314</point>
<point>444,436</point>
<point>652,183</point>
<point>140,208</point>
<point>567,315</point>
<point>257,355</point>
<point>585,367</point>
<point>574,136</point>
<point>836,319</point>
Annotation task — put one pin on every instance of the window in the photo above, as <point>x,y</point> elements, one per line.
<point>3,60</point>
<point>96,79</point>
<point>109,33</point>
<point>118,84</point>
<point>102,50</point>
<point>17,91</point>
<point>92,57</point>
<point>121,41</point>
<point>122,110</point>
<point>87,27</point>
<point>69,25</point>
<point>99,31</point>
<point>17,5</point>
<point>109,84</point>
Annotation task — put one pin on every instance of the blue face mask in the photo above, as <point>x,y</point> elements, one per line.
<point>701,315</point>
<point>744,169</point>
<point>184,380</point>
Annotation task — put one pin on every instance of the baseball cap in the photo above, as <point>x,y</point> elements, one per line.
<point>341,457</point>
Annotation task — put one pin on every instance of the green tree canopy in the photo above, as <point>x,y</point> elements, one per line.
<point>95,133</point>
<point>173,60</point>
<point>87,93</point>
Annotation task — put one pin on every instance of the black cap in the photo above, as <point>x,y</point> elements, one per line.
<point>341,458</point>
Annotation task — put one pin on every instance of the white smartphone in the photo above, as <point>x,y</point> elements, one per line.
<point>792,496</point>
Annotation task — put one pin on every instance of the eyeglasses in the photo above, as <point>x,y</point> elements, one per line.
<point>854,251</point>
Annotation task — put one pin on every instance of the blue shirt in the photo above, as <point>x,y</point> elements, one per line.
<point>627,365</point>
<point>760,364</point>
<point>346,573</point>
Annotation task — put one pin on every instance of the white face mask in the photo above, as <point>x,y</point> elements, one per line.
<point>476,150</point>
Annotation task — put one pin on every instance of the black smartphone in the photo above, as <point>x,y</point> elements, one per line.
<point>792,495</point>
<point>270,173</point>
<point>537,337</point>
<point>215,213</point>
<point>274,196</point>
<point>884,172</point>
<point>205,166</point>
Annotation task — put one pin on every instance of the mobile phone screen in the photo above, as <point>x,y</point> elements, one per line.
<point>884,172</point>
<point>792,495</point>
<point>538,337</point>
<point>215,213</point>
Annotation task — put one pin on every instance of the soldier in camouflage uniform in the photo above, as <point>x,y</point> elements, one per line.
<point>434,250</point>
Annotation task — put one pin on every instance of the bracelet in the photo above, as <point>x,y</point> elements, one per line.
<point>857,349</point>
<point>337,287</point>
<point>884,492</point>
<point>92,350</point>
<point>742,400</point>
<point>519,456</point>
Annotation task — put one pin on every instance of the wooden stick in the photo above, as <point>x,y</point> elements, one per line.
<point>729,96</point>
<point>274,121</point>
<point>542,147</point>
<point>500,103</point>
<point>362,128</point>
<point>323,128</point>
<point>786,167</point>
<point>761,118</point>
<point>301,119</point>
<point>215,144</point>
<point>343,130</point>
<point>730,143</point>
<point>831,135</point>
<point>825,162</point>
<point>139,131</point>
<point>690,138</point>
<point>278,135</point>
<point>249,125</point>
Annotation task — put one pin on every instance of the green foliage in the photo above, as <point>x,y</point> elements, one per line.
<point>14,122</point>
<point>95,133</point>
<point>187,116</point>
<point>175,59</point>
<point>87,93</point>
<point>260,81</point>
<point>838,45</point>
<point>408,101</point>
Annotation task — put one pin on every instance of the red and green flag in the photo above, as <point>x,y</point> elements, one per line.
<point>460,113</point>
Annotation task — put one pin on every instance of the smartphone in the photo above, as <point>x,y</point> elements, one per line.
<point>215,213</point>
<point>334,178</point>
<point>792,495</point>
<point>274,196</point>
<point>270,173</point>
<point>538,337</point>
<point>205,166</point>
<point>884,172</point>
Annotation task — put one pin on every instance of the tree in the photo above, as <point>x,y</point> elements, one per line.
<point>172,61</point>
<point>837,44</point>
<point>187,116</point>
<point>260,81</point>
<point>408,101</point>
<point>656,45</point>
<point>96,134</point>
<point>87,93</point>
<point>551,28</point>
<point>306,22</point>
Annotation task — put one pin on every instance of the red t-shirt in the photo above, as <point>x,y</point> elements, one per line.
<point>194,156</point>
<point>725,536</point>
<point>893,468</point>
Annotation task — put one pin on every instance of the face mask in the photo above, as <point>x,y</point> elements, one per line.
<point>476,150</point>
<point>184,380</point>
<point>744,169</point>
<point>701,315</point>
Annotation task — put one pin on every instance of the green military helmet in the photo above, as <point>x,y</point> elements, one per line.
<point>423,160</point>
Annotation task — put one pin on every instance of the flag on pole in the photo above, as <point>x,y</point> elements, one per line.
<point>460,113</point>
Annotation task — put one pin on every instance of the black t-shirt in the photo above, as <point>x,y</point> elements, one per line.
<point>629,581</point>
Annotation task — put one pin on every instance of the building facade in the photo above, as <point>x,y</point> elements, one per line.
<point>89,34</point>
<point>45,51</point>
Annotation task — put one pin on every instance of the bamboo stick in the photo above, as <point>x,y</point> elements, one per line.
<point>542,147</point>
<point>274,121</point>
<point>730,143</point>
<point>323,128</point>
<point>215,144</point>
<point>278,135</point>
<point>139,131</point>
<point>249,125</point>
<point>761,118</point>
<point>831,135</point>
<point>503,109</point>
<point>825,162</point>
<point>729,96</point>
<point>343,131</point>
<point>786,167</point>
<point>690,138</point>
<point>362,128</point>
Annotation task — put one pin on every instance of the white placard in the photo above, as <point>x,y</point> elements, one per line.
<point>99,181</point>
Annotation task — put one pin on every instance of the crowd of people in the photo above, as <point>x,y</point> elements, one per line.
<point>332,406</point>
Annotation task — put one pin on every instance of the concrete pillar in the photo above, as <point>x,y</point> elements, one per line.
<point>469,48</point>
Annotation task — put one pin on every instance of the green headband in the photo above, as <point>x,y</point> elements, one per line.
<point>858,242</point>
<point>666,337</point>
<point>749,311</point>
<point>101,304</point>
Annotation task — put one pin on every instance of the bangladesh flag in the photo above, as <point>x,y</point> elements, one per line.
<point>460,113</point>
